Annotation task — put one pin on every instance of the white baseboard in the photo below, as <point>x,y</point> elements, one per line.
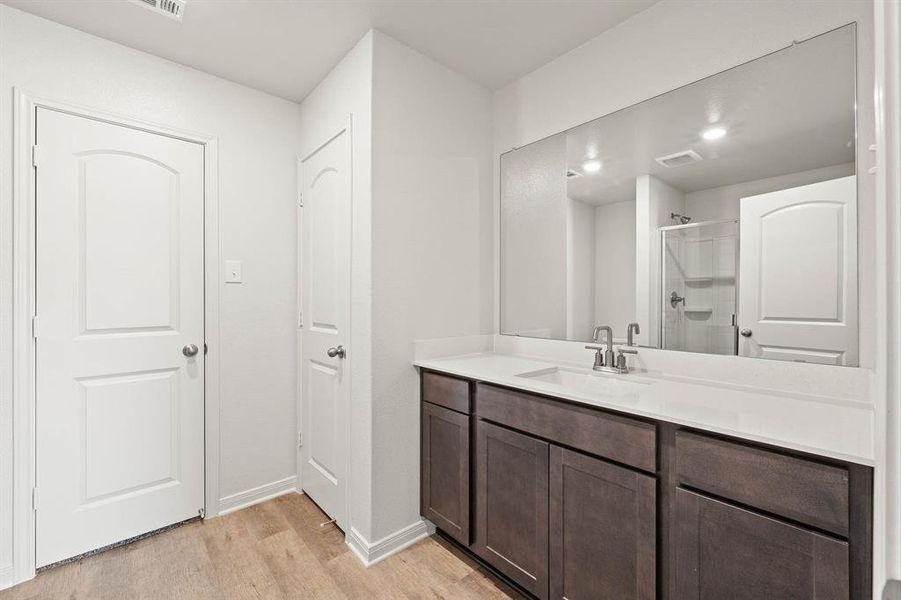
<point>370,553</point>
<point>7,576</point>
<point>256,495</point>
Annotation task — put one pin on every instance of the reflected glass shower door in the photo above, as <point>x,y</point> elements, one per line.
<point>699,279</point>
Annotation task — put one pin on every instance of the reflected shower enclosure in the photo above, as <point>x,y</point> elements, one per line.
<point>699,267</point>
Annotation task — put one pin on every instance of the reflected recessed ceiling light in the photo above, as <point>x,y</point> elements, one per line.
<point>714,133</point>
<point>591,166</point>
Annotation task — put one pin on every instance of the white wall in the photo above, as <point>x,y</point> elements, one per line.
<point>346,93</point>
<point>533,279</point>
<point>722,203</point>
<point>676,42</point>
<point>580,270</point>
<point>431,177</point>
<point>655,201</point>
<point>614,294</point>
<point>421,268</point>
<point>668,45</point>
<point>887,486</point>
<point>258,145</point>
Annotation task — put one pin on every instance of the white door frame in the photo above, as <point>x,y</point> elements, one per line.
<point>23,292</point>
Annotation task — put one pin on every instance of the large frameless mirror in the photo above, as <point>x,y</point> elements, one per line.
<point>721,217</point>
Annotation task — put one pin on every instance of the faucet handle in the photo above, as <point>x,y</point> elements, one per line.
<point>598,354</point>
<point>621,352</point>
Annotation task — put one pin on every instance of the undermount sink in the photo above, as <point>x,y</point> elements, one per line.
<point>588,381</point>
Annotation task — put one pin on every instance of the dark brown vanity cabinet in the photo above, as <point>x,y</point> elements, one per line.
<point>445,470</point>
<point>751,522</point>
<point>603,529</point>
<point>512,505</point>
<point>570,501</point>
<point>445,455</point>
<point>723,551</point>
<point>560,522</point>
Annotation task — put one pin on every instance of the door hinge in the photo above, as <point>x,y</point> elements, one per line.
<point>34,498</point>
<point>300,440</point>
<point>300,200</point>
<point>34,327</point>
<point>205,349</point>
<point>34,155</point>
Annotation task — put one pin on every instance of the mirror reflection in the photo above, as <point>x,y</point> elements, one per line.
<point>720,217</point>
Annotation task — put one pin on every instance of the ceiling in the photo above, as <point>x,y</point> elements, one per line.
<point>787,112</point>
<point>285,47</point>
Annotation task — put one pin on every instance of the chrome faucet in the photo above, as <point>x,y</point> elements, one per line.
<point>605,359</point>
<point>631,330</point>
<point>608,354</point>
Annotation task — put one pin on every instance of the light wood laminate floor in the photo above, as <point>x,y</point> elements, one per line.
<point>272,550</point>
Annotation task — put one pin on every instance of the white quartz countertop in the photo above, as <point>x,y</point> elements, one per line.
<point>822,426</point>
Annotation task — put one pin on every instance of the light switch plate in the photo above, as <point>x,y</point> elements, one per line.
<point>233,270</point>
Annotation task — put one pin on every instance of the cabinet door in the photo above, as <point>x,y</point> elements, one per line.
<point>512,505</point>
<point>445,470</point>
<point>722,551</point>
<point>603,541</point>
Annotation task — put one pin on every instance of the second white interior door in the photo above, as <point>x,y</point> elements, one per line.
<point>798,286</point>
<point>325,331</point>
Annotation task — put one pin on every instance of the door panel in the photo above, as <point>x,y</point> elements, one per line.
<point>119,294</point>
<point>722,551</point>
<point>603,525</point>
<point>114,294</point>
<point>323,384</point>
<point>512,505</point>
<point>325,298</point>
<point>132,415</point>
<point>798,288</point>
<point>445,470</point>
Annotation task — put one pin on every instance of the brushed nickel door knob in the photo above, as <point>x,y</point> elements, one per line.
<point>190,350</point>
<point>745,332</point>
<point>338,351</point>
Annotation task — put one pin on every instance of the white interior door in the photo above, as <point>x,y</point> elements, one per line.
<point>119,301</point>
<point>325,302</point>
<point>798,266</point>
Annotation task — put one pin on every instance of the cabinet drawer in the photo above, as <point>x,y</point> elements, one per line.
<point>624,440</point>
<point>795,488</point>
<point>446,391</point>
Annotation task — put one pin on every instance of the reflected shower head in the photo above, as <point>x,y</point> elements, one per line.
<point>682,218</point>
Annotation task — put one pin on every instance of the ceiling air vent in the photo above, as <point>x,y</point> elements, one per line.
<point>679,159</point>
<point>174,9</point>
<point>570,174</point>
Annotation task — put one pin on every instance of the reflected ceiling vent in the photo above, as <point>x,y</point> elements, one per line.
<point>174,9</point>
<point>679,159</point>
<point>570,174</point>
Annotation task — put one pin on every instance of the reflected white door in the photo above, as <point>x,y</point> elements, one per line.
<point>119,297</point>
<point>325,302</point>
<point>798,266</point>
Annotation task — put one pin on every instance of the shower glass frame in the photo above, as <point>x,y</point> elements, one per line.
<point>661,277</point>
